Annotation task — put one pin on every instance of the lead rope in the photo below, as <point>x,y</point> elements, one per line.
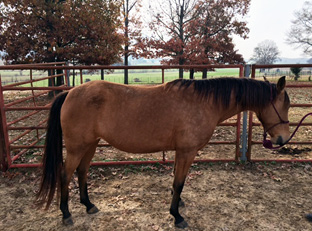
<point>268,144</point>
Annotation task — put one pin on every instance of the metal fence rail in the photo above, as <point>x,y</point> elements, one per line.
<point>253,124</point>
<point>23,120</point>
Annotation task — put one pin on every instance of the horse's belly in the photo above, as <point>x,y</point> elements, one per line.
<point>139,147</point>
<point>140,142</point>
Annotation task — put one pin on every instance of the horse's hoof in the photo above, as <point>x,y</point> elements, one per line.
<point>68,221</point>
<point>182,225</point>
<point>309,217</point>
<point>93,210</point>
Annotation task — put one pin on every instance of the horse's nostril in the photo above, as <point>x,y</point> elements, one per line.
<point>280,140</point>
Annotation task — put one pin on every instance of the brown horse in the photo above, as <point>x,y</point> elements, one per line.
<point>180,115</point>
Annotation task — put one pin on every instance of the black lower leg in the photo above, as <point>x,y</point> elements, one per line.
<point>174,208</point>
<point>84,197</point>
<point>64,209</point>
<point>83,188</point>
<point>183,162</point>
<point>181,202</point>
<point>67,220</point>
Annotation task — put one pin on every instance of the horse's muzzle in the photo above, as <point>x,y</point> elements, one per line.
<point>280,141</point>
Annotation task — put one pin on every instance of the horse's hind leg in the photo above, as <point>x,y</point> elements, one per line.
<point>74,157</point>
<point>82,171</point>
<point>70,165</point>
<point>183,161</point>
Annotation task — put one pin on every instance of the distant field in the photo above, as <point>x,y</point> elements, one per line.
<point>135,77</point>
<point>156,76</point>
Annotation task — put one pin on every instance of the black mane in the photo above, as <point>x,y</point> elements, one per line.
<point>248,92</point>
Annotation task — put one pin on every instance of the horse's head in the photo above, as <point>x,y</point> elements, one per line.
<point>274,116</point>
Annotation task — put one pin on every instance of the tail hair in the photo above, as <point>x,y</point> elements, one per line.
<point>52,161</point>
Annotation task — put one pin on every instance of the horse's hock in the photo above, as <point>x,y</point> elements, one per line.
<point>25,104</point>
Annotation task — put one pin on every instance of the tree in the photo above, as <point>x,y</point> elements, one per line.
<point>196,31</point>
<point>84,32</point>
<point>265,52</point>
<point>130,32</point>
<point>296,71</point>
<point>168,30</point>
<point>210,40</point>
<point>300,34</point>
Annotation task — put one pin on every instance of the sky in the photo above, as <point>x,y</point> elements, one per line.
<point>270,20</point>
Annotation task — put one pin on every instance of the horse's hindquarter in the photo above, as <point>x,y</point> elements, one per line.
<point>133,119</point>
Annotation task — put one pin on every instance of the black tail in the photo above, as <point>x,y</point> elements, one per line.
<point>53,154</point>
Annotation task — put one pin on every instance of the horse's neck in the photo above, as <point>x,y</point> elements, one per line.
<point>228,113</point>
<point>234,109</point>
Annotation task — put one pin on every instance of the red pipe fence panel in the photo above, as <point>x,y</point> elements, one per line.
<point>24,106</point>
<point>300,93</point>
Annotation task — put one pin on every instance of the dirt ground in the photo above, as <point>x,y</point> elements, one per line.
<point>221,197</point>
<point>217,197</point>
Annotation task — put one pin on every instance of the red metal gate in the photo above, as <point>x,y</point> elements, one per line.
<point>308,106</point>
<point>23,118</point>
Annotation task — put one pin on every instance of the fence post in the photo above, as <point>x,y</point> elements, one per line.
<point>244,149</point>
<point>67,74</point>
<point>3,134</point>
<point>102,74</point>
<point>162,75</point>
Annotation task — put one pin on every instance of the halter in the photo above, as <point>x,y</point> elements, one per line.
<point>267,143</point>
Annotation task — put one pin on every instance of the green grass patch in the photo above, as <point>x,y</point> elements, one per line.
<point>154,76</point>
<point>135,76</point>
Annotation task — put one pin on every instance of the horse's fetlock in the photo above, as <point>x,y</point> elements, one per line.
<point>173,212</point>
<point>83,202</point>
<point>180,222</point>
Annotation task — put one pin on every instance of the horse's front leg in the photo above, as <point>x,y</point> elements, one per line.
<point>181,202</point>
<point>183,162</point>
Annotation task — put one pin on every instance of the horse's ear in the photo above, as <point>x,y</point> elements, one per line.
<point>281,84</point>
<point>265,79</point>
